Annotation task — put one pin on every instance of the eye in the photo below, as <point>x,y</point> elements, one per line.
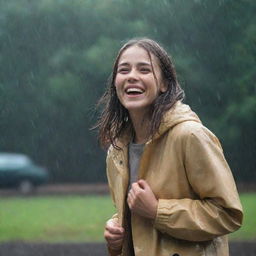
<point>123,70</point>
<point>145,70</point>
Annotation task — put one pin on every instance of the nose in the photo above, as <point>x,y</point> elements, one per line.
<point>132,76</point>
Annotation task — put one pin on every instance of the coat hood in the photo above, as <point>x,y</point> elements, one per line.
<point>179,113</point>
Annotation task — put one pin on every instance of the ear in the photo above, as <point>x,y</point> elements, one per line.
<point>163,86</point>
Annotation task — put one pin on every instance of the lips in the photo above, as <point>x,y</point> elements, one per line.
<point>134,90</point>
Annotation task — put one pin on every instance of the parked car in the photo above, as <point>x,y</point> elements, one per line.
<point>18,170</point>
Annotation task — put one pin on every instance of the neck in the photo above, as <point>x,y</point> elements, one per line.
<point>141,128</point>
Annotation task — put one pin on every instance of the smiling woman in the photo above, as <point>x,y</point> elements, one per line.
<point>138,81</point>
<point>171,185</point>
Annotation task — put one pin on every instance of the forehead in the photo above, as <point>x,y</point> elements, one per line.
<point>135,54</point>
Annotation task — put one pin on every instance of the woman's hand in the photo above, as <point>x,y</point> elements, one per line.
<point>114,235</point>
<point>141,200</point>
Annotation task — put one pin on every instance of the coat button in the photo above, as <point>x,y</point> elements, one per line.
<point>121,162</point>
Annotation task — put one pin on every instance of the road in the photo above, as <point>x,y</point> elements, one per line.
<point>90,249</point>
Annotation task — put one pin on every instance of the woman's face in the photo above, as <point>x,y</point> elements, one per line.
<point>136,85</point>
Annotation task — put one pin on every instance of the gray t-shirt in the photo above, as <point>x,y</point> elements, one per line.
<point>135,152</point>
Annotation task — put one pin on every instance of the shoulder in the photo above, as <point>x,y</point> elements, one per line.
<point>188,127</point>
<point>194,131</point>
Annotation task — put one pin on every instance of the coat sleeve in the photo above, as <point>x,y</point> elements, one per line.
<point>115,216</point>
<point>217,210</point>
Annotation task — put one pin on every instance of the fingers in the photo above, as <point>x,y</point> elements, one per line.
<point>130,199</point>
<point>137,188</point>
<point>142,184</point>
<point>115,230</point>
<point>141,199</point>
<point>112,223</point>
<point>113,227</point>
<point>113,239</point>
<point>134,194</point>
<point>114,234</point>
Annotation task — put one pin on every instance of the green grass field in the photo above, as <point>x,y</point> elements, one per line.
<point>79,218</point>
<point>54,219</point>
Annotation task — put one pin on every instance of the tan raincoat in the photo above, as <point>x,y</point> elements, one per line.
<point>198,201</point>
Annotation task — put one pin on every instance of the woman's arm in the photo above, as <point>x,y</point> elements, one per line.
<point>217,211</point>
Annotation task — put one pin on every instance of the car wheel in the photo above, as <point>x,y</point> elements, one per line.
<point>25,187</point>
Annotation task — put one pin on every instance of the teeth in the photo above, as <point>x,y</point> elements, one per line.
<point>134,90</point>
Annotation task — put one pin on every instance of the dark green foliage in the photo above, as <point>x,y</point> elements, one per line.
<point>55,57</point>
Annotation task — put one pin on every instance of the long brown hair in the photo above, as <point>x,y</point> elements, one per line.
<point>114,119</point>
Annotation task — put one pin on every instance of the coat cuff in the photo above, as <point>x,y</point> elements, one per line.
<point>112,252</point>
<point>163,214</point>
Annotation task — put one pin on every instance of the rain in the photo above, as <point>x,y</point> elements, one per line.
<point>56,57</point>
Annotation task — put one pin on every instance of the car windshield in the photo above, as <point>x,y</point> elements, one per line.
<point>14,160</point>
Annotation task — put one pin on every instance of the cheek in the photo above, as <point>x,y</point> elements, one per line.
<point>118,82</point>
<point>118,86</point>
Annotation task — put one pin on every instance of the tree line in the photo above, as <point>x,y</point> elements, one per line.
<point>56,56</point>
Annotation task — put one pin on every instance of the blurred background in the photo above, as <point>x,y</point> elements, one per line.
<point>55,58</point>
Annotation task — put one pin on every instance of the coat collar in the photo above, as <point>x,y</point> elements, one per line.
<point>179,113</point>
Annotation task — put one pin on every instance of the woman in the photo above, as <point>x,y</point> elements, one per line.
<point>171,185</point>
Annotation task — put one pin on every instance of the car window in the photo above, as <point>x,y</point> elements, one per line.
<point>14,160</point>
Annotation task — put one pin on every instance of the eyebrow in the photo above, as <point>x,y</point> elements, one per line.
<point>138,64</point>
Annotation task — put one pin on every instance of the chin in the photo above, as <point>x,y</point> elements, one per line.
<point>137,108</point>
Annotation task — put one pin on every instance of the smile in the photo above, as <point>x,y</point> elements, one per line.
<point>134,91</point>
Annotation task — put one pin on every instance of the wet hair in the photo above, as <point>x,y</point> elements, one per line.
<point>114,119</point>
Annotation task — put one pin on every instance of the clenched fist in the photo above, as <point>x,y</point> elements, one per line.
<point>114,235</point>
<point>141,200</point>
